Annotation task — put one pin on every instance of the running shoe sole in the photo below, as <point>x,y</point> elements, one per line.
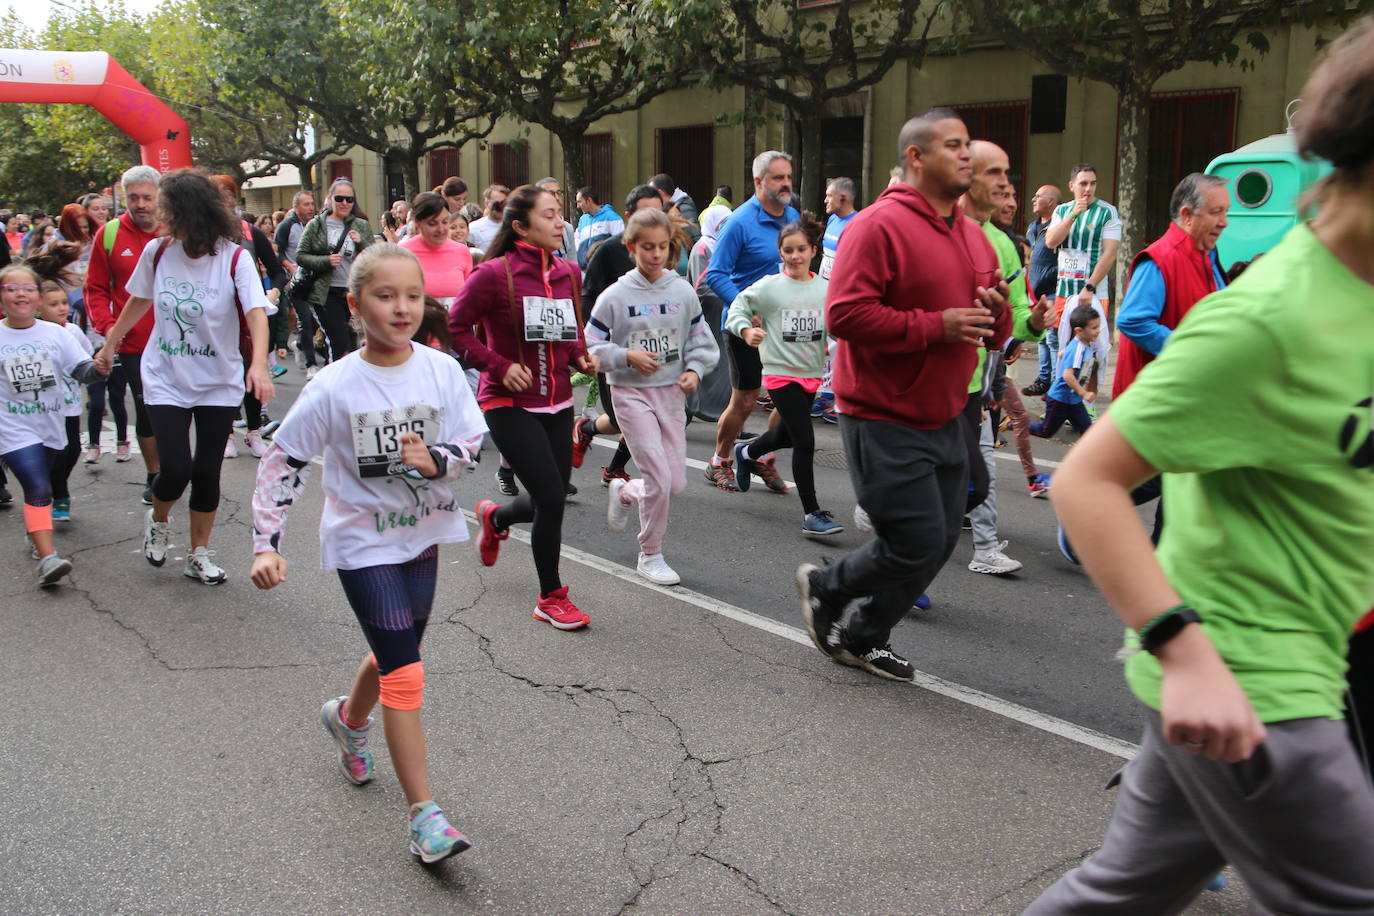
<point>838,529</point>
<point>59,569</point>
<point>577,625</point>
<point>989,570</point>
<point>457,847</point>
<point>808,622</point>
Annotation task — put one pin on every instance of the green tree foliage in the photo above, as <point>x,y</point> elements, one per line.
<point>560,64</point>
<point>1130,44</point>
<point>358,71</point>
<point>804,59</point>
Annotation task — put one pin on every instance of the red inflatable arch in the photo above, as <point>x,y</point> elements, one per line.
<point>96,79</point>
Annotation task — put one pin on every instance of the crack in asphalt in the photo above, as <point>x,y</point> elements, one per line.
<point>1056,866</point>
<point>687,827</point>
<point>749,881</point>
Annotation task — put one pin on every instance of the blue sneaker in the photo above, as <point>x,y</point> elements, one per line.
<point>278,371</point>
<point>923,602</point>
<point>432,837</point>
<point>1066,548</point>
<point>821,524</point>
<point>1218,883</point>
<point>355,757</point>
<point>822,403</point>
<point>744,467</point>
<point>62,510</point>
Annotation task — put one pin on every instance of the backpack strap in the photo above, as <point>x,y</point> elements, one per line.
<point>576,276</point>
<point>107,238</point>
<point>162,244</point>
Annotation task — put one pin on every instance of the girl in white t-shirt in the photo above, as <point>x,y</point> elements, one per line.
<point>34,355</point>
<point>396,422</point>
<point>53,308</point>
<point>207,291</point>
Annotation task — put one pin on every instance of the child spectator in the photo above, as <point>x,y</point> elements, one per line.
<point>1067,395</point>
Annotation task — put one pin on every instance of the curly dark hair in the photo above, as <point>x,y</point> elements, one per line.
<point>192,208</point>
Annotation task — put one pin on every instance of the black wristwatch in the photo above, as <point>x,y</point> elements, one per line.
<point>1090,287</point>
<point>1154,637</point>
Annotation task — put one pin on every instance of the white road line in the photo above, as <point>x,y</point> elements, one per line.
<point>996,705</point>
<point>701,465</point>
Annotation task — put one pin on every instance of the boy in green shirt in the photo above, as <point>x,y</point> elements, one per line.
<point>1239,624</point>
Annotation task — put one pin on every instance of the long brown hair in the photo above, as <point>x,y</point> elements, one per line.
<point>193,210</point>
<point>519,205</point>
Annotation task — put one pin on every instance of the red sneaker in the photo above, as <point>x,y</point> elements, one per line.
<point>581,442</point>
<point>767,471</point>
<point>488,537</point>
<point>607,475</point>
<point>557,610</point>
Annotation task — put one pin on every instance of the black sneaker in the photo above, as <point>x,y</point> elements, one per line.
<point>147,497</point>
<point>569,490</point>
<point>820,613</point>
<point>1036,388</point>
<point>880,661</point>
<point>505,482</point>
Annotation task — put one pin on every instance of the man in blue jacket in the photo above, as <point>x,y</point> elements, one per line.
<point>746,252</point>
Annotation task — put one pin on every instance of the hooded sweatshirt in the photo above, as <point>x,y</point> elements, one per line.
<point>663,317</point>
<point>540,330</point>
<point>885,307</point>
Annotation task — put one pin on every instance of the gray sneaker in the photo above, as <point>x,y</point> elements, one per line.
<point>51,568</point>
<point>993,563</point>
<point>155,537</point>
<point>199,565</point>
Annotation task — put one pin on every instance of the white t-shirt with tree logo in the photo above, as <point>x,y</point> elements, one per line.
<point>192,358</point>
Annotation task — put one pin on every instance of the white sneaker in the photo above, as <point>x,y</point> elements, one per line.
<point>230,449</point>
<point>656,569</point>
<point>310,373</point>
<point>993,563</point>
<point>92,454</point>
<point>155,537</point>
<point>200,566</point>
<point>256,445</point>
<point>617,510</point>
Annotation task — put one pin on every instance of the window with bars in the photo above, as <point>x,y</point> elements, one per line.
<point>1006,124</point>
<point>688,154</point>
<point>597,150</point>
<point>510,164</point>
<point>1187,131</point>
<point>443,164</point>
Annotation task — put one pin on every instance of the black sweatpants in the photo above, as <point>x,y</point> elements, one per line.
<point>177,466</point>
<point>65,460</point>
<point>971,422</point>
<point>913,483</point>
<point>793,404</point>
<point>538,447</point>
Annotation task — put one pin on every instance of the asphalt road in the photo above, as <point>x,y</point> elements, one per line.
<point>680,756</point>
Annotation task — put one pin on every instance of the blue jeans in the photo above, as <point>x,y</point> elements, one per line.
<point>1049,353</point>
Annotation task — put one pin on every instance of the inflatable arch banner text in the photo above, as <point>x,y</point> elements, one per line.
<point>96,79</point>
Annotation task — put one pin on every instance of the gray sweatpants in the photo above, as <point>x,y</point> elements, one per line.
<point>983,518</point>
<point>1296,820</point>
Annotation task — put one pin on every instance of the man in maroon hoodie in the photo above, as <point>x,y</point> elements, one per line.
<point>910,304</point>
<point>110,268</point>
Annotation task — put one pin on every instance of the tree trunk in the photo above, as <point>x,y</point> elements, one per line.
<point>807,177</point>
<point>574,166</point>
<point>1132,139</point>
<point>410,173</point>
<point>306,168</point>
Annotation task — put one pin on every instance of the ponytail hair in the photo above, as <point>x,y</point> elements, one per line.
<point>808,226</point>
<point>52,264</point>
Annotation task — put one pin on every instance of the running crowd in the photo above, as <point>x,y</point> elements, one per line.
<point>897,322</point>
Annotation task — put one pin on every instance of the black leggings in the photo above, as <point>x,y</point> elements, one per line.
<point>252,407</point>
<point>114,384</point>
<point>971,424</point>
<point>176,466</point>
<point>538,447</point>
<point>338,333</point>
<point>793,404</point>
<point>133,373</point>
<point>64,461</point>
<point>392,604</point>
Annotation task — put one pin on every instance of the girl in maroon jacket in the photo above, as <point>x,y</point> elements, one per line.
<point>524,303</point>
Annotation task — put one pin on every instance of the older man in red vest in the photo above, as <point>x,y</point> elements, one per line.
<point>1170,276</point>
<point>1167,279</point>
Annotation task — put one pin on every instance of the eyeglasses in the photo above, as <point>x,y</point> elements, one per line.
<point>17,288</point>
<point>557,192</point>
<point>341,199</point>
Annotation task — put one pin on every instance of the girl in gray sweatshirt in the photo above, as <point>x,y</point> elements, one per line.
<point>648,331</point>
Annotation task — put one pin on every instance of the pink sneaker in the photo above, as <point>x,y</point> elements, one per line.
<point>121,451</point>
<point>489,537</point>
<point>557,610</point>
